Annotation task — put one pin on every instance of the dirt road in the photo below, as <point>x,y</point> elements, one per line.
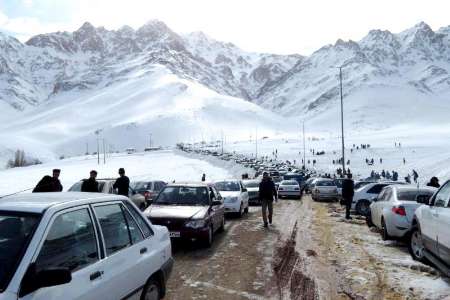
<point>309,253</point>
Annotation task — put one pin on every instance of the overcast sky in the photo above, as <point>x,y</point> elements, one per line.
<point>278,26</point>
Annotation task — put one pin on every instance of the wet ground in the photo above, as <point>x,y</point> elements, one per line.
<point>310,252</point>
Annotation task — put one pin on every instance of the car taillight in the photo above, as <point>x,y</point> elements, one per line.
<point>280,188</point>
<point>399,210</point>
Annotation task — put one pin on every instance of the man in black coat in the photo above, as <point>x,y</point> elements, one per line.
<point>122,183</point>
<point>90,185</point>
<point>49,184</point>
<point>348,191</point>
<point>267,191</point>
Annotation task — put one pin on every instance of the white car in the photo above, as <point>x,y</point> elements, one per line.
<point>289,188</point>
<point>393,211</point>
<point>364,196</point>
<point>430,233</point>
<point>106,186</point>
<point>252,187</point>
<point>235,196</point>
<point>324,189</point>
<point>87,246</point>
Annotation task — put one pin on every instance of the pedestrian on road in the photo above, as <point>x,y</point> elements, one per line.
<point>203,177</point>
<point>267,191</point>
<point>348,191</point>
<point>434,182</point>
<point>122,183</point>
<point>90,185</point>
<point>49,184</point>
<point>415,175</point>
<point>404,160</point>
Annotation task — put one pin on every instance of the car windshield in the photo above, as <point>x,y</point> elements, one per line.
<point>183,195</point>
<point>289,182</point>
<point>360,184</point>
<point>228,186</point>
<point>413,195</point>
<point>251,184</point>
<point>141,185</point>
<point>325,183</point>
<point>16,230</point>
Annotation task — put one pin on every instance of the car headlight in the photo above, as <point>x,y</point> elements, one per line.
<point>195,224</point>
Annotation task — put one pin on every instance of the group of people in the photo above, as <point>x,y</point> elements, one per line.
<point>52,183</point>
<point>385,175</point>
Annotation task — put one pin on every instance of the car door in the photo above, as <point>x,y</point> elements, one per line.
<point>70,242</point>
<point>432,217</point>
<point>442,222</point>
<point>122,250</point>
<point>376,208</point>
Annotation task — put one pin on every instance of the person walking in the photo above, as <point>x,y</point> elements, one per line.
<point>203,177</point>
<point>415,176</point>
<point>434,182</point>
<point>122,183</point>
<point>90,185</point>
<point>267,191</point>
<point>348,191</point>
<point>49,184</point>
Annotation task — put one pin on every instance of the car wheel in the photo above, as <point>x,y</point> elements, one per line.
<point>415,245</point>
<point>152,290</point>
<point>241,211</point>
<point>384,233</point>
<point>209,239</point>
<point>222,226</point>
<point>369,221</point>
<point>363,207</point>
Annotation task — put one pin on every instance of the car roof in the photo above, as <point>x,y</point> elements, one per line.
<point>39,202</point>
<point>190,184</point>
<point>413,188</point>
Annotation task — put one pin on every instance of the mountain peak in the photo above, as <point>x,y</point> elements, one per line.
<point>86,27</point>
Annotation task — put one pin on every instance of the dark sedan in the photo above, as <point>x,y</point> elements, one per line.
<point>191,211</point>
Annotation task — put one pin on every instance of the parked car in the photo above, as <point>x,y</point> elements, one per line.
<point>148,189</point>
<point>235,196</point>
<point>191,211</point>
<point>289,188</point>
<point>364,195</point>
<point>324,189</point>
<point>106,186</point>
<point>252,187</point>
<point>308,185</point>
<point>430,233</point>
<point>338,182</point>
<point>393,210</point>
<point>80,246</point>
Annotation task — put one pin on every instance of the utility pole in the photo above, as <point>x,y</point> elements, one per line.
<point>256,144</point>
<point>222,140</point>
<point>98,146</point>
<point>87,148</point>
<point>150,140</point>
<point>304,147</point>
<point>104,151</point>
<point>342,122</point>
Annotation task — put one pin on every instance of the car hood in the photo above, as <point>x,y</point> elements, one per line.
<point>176,211</point>
<point>227,194</point>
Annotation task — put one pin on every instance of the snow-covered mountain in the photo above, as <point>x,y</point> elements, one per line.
<point>58,88</point>
<point>387,78</point>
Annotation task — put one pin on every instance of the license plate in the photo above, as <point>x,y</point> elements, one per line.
<point>174,234</point>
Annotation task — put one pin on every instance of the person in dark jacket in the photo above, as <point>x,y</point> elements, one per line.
<point>122,183</point>
<point>49,184</point>
<point>203,177</point>
<point>348,191</point>
<point>267,191</point>
<point>90,185</point>
<point>434,182</point>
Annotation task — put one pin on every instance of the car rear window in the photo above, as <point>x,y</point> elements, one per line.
<point>289,182</point>
<point>325,183</point>
<point>413,195</point>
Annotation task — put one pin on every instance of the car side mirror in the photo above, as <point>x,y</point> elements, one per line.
<point>216,202</point>
<point>244,190</point>
<point>374,199</point>
<point>33,281</point>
